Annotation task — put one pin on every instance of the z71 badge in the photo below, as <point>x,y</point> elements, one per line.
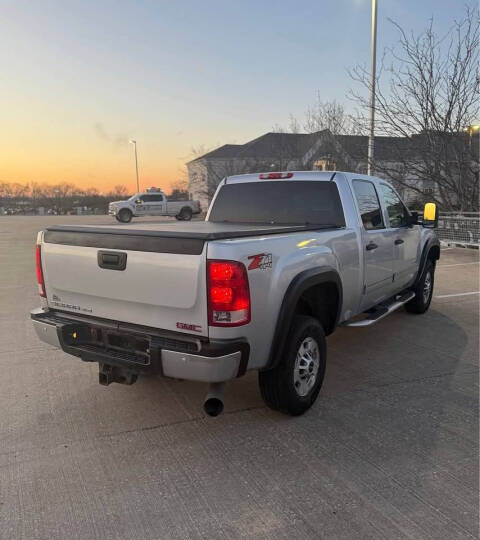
<point>262,261</point>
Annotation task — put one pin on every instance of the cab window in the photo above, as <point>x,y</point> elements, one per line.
<point>397,213</point>
<point>368,204</point>
<point>151,198</point>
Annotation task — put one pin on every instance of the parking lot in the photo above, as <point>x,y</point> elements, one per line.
<point>390,449</point>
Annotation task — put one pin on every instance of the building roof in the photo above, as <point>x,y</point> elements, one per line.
<point>225,151</point>
<point>386,148</point>
<point>296,145</point>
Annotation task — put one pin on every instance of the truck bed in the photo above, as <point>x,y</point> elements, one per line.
<point>161,282</point>
<point>183,238</point>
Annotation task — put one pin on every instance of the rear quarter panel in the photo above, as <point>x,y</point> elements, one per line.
<point>290,254</point>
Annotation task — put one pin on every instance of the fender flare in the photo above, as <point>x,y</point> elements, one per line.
<point>299,284</point>
<point>430,244</point>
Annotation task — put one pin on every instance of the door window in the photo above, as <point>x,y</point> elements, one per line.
<point>368,204</point>
<point>397,213</point>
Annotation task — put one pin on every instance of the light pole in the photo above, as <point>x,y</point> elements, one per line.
<point>371,141</point>
<point>131,141</point>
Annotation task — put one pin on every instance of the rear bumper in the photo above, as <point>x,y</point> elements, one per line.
<point>165,353</point>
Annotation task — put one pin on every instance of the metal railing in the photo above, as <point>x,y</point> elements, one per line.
<point>459,228</point>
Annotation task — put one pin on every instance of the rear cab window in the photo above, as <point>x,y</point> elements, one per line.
<point>368,204</point>
<point>396,210</point>
<point>293,202</point>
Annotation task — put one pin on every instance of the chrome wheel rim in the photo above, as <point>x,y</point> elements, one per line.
<point>427,287</point>
<point>307,364</point>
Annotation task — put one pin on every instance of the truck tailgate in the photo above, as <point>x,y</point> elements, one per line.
<point>163,284</point>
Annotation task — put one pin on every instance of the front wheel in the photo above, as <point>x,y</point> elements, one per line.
<point>293,386</point>
<point>124,216</point>
<point>423,291</point>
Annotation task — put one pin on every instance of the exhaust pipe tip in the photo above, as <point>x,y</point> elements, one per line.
<point>213,406</point>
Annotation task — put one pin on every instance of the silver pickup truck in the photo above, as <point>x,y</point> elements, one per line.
<point>152,203</point>
<point>281,260</point>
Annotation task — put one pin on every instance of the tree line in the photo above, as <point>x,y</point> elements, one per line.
<point>63,197</point>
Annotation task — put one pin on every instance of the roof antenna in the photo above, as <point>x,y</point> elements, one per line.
<point>333,176</point>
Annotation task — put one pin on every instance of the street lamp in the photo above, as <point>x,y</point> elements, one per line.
<point>131,141</point>
<point>371,141</point>
<point>471,130</point>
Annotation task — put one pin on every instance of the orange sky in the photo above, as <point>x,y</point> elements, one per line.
<point>50,148</point>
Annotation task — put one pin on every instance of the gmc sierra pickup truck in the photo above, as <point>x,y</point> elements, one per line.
<point>280,261</point>
<point>152,203</point>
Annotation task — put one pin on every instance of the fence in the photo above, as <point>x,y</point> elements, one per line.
<point>459,228</point>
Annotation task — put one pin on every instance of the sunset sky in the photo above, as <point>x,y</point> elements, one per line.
<point>79,78</point>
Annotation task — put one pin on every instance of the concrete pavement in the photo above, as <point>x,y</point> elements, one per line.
<point>390,449</point>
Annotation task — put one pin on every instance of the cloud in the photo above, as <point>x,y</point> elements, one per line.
<point>100,131</point>
<point>117,141</point>
<point>120,140</point>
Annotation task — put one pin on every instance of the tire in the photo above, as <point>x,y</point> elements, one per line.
<point>178,217</point>
<point>185,213</point>
<point>423,291</point>
<point>124,216</point>
<point>288,388</point>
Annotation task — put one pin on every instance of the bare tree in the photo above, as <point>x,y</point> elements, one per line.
<point>330,115</point>
<point>118,192</point>
<point>37,193</point>
<point>427,93</point>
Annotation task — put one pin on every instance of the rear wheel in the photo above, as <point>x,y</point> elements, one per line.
<point>185,214</point>
<point>293,386</point>
<point>423,291</point>
<point>124,216</point>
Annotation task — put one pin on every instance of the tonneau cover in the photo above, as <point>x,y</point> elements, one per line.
<point>200,230</point>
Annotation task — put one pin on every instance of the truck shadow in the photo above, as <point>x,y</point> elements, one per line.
<point>395,361</point>
<point>393,354</point>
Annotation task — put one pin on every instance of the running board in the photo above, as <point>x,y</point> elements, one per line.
<point>382,311</point>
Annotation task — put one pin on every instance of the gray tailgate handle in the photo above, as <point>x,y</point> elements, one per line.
<point>112,260</point>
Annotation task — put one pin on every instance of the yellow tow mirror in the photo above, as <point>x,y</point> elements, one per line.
<point>430,212</point>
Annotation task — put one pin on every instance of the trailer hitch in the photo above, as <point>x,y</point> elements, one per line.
<point>108,374</point>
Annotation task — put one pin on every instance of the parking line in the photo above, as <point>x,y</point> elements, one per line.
<point>457,264</point>
<point>457,294</point>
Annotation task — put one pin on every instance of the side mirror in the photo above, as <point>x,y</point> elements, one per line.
<point>412,219</point>
<point>430,215</point>
<point>138,201</point>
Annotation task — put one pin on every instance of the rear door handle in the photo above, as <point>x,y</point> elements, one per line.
<point>398,241</point>
<point>371,246</point>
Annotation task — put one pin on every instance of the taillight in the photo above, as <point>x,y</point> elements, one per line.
<point>40,280</point>
<point>228,293</point>
<point>275,175</point>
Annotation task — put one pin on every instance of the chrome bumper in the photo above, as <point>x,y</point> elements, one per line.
<point>200,368</point>
<point>176,364</point>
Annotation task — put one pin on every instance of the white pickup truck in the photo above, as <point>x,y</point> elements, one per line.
<point>281,260</point>
<point>152,203</point>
